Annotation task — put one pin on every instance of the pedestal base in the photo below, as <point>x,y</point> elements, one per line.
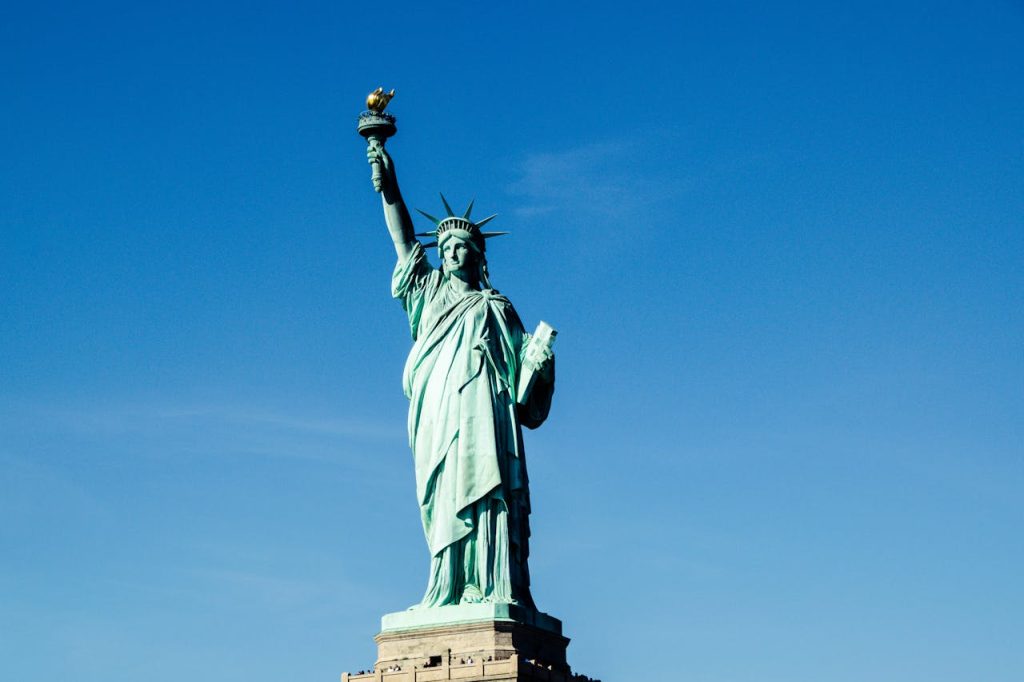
<point>472,643</point>
<point>511,669</point>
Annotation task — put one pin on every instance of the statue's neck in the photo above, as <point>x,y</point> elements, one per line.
<point>460,285</point>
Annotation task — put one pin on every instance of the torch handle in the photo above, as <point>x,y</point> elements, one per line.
<point>376,172</point>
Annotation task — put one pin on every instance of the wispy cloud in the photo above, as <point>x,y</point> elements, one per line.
<point>606,182</point>
<point>261,586</point>
<point>199,429</point>
<point>261,417</point>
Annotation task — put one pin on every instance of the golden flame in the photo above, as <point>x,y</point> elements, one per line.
<point>378,100</point>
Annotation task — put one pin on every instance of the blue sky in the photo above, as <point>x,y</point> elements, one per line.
<point>782,243</point>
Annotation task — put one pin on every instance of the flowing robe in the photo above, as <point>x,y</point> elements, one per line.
<point>466,437</point>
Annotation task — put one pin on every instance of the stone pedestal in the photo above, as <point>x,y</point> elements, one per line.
<point>472,643</point>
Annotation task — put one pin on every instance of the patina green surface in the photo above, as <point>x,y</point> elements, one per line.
<point>468,613</point>
<point>467,407</point>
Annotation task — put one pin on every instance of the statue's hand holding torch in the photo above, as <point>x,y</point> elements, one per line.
<point>382,167</point>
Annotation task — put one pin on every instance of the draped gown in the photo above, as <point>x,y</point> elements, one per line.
<point>465,431</point>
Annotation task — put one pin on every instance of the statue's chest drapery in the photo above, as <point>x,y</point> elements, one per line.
<point>461,335</point>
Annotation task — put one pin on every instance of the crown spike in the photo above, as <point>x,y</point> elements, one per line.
<point>469,209</point>
<point>486,220</point>
<point>429,217</point>
<point>448,208</point>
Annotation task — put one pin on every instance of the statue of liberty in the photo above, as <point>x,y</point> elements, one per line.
<point>473,379</point>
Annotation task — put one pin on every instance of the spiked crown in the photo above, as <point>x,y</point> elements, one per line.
<point>458,226</point>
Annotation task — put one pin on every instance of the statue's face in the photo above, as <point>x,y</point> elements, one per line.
<point>458,256</point>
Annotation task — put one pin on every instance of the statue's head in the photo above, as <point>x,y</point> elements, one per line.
<point>461,257</point>
<point>461,243</point>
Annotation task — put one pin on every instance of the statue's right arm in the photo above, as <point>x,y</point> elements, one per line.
<point>396,215</point>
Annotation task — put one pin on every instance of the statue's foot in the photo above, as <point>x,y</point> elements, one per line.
<point>471,595</point>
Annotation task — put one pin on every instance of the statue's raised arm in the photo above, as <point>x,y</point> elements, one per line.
<point>396,215</point>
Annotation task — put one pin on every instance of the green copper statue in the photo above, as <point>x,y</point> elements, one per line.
<point>474,378</point>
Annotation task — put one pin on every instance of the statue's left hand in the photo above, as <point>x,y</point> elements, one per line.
<point>540,359</point>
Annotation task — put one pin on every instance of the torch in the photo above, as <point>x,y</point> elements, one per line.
<point>376,126</point>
